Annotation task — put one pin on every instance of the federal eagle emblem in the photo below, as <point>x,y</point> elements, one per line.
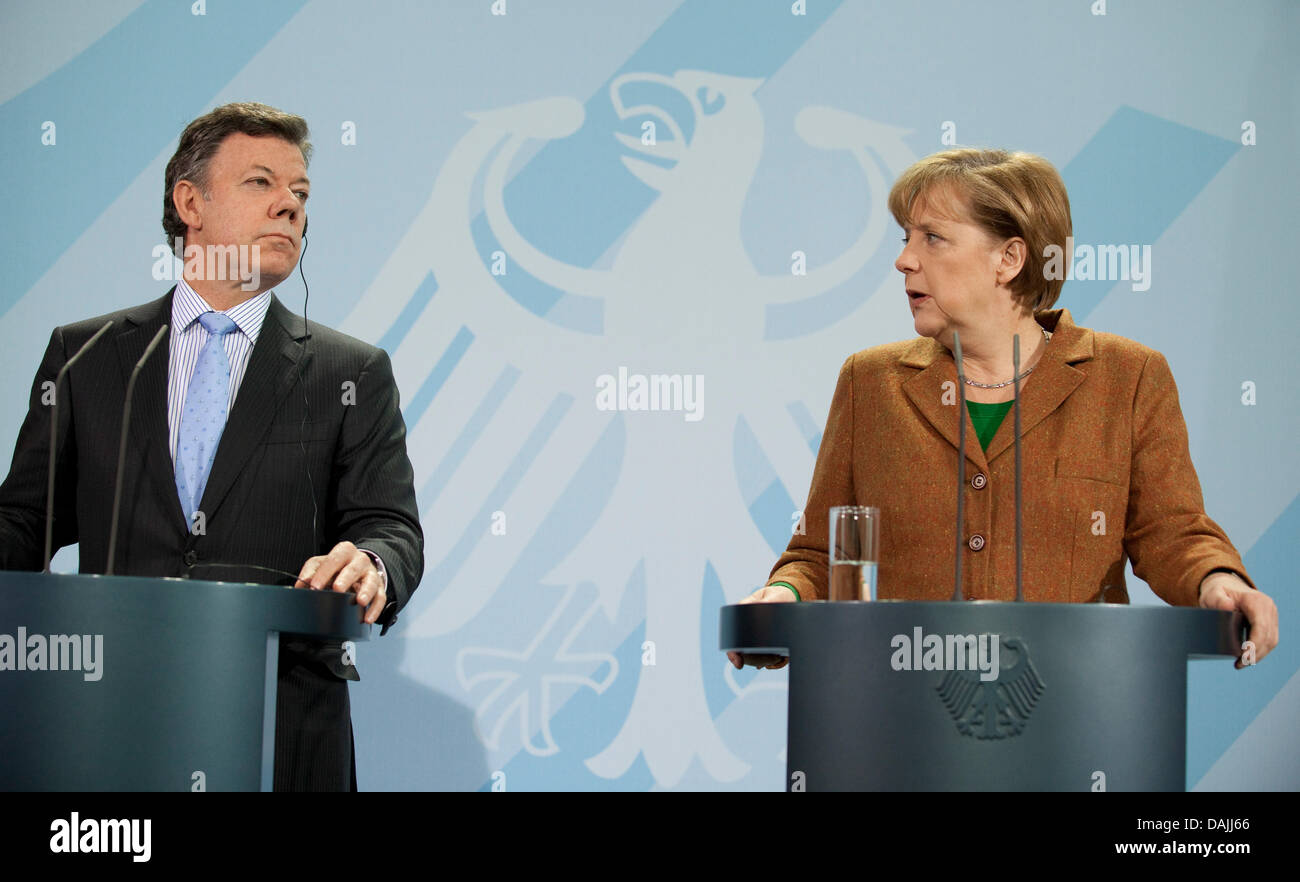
<point>999,708</point>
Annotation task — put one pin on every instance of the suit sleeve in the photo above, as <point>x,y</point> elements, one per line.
<point>804,563</point>
<point>23,493</point>
<point>374,484</point>
<point>1172,543</point>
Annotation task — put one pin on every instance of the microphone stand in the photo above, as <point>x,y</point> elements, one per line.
<point>961,463</point>
<point>1015,361</point>
<point>121,446</point>
<point>54,436</point>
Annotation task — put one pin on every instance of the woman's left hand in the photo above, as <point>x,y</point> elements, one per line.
<point>1228,591</point>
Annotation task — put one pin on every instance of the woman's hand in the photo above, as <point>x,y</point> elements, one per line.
<point>766,594</point>
<point>1228,591</point>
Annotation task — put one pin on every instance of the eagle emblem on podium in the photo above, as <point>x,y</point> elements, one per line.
<point>998,708</point>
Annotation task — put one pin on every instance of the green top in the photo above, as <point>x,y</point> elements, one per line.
<point>986,419</point>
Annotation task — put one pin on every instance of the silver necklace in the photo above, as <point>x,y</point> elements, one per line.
<point>969,382</point>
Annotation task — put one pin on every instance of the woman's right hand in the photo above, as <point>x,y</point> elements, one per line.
<point>766,594</point>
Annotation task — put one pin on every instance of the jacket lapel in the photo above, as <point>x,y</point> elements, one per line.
<point>937,402</point>
<point>1053,380</point>
<point>271,373</point>
<point>148,421</point>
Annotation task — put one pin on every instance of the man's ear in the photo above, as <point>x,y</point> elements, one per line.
<point>189,204</point>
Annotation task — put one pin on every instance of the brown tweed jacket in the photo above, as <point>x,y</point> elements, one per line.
<point>1107,475</point>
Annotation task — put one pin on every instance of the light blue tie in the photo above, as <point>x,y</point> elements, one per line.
<point>204,415</point>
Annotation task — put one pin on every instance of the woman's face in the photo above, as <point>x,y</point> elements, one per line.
<point>951,270</point>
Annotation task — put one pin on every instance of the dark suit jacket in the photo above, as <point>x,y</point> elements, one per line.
<point>258,502</point>
<point>1106,476</point>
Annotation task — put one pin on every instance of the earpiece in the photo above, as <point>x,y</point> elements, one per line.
<point>306,404</point>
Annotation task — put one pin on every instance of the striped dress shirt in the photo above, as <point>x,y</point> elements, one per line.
<point>188,337</point>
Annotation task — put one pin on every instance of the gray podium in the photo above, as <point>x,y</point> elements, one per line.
<point>179,681</point>
<point>1084,694</point>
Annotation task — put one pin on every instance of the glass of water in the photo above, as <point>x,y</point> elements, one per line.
<point>854,550</point>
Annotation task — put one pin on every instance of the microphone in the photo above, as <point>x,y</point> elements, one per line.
<point>961,462</point>
<point>121,445</point>
<point>1015,376</point>
<point>54,428</point>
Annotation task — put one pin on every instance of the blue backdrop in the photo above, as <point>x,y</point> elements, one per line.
<point>519,198</point>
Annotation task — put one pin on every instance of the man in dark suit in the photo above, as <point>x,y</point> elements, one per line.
<point>262,447</point>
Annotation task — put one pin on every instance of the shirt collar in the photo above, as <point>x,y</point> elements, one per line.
<point>248,316</point>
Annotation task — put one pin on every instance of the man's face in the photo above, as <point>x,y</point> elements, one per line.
<point>256,200</point>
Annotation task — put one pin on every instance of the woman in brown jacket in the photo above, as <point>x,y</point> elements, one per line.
<point>1106,469</point>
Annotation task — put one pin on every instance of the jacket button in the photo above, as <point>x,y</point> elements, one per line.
<point>191,558</point>
<point>979,481</point>
<point>976,542</point>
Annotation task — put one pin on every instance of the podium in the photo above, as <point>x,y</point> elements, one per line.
<point>894,695</point>
<point>147,684</point>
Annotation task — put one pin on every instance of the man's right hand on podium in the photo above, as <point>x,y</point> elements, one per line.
<point>766,594</point>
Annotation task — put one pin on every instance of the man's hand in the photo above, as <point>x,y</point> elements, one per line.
<point>346,568</point>
<point>1228,591</point>
<point>768,594</point>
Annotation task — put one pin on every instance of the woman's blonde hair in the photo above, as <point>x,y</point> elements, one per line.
<point>1007,195</point>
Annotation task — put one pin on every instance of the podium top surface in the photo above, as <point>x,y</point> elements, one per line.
<point>785,628</point>
<point>27,597</point>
